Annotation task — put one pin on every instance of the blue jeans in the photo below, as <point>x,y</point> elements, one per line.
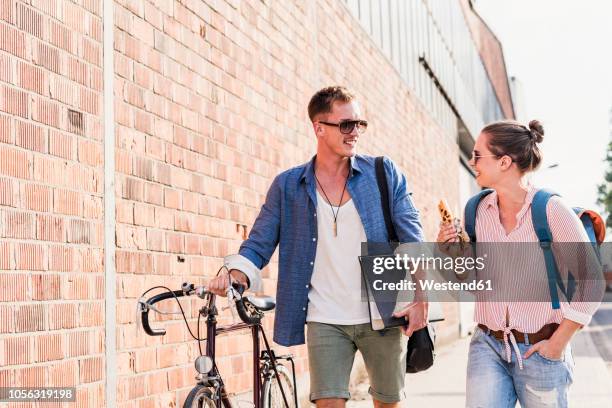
<point>492,382</point>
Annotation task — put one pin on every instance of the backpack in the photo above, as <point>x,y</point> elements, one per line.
<point>591,221</point>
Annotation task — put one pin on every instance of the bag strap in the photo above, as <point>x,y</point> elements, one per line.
<point>469,216</point>
<point>539,218</point>
<point>381,179</point>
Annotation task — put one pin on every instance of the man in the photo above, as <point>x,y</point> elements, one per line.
<point>320,213</point>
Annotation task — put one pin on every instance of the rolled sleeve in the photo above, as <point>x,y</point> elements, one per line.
<point>246,266</point>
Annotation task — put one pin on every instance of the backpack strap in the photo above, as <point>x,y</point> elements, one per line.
<point>381,179</point>
<point>542,230</point>
<point>469,216</point>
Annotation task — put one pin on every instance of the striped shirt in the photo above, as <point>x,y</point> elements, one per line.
<point>518,268</point>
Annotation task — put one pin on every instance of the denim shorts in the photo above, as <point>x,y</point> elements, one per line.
<point>331,352</point>
<point>493,382</point>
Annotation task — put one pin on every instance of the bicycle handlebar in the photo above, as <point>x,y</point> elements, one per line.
<point>190,289</point>
<point>145,307</point>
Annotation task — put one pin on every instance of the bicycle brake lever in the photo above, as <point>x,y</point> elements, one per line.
<point>231,296</point>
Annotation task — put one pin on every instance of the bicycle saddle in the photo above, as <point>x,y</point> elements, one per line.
<point>262,303</point>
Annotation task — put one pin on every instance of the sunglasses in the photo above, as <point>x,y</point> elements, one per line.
<point>476,156</point>
<point>346,126</point>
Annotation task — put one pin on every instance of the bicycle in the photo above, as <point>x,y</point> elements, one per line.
<point>209,391</point>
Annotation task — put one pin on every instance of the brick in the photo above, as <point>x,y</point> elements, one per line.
<point>62,90</point>
<point>175,242</point>
<point>6,69</point>
<point>46,287</point>
<point>62,316</point>
<point>13,41</point>
<point>76,287</point>
<point>89,101</point>
<point>8,192</point>
<point>7,12</point>
<point>37,197</point>
<point>95,29</point>
<point>62,37</point>
<point>17,350</point>
<point>76,70</point>
<point>31,376</point>
<point>63,374</point>
<point>14,101</point>
<point>79,232</point>
<point>15,163</point>
<point>31,137</point>
<point>33,78</point>
<point>92,207</point>
<point>94,6</point>
<point>7,321</point>
<point>91,314</point>
<point>91,260</point>
<point>30,21</point>
<point>96,80</point>
<point>48,7</point>
<point>30,318</point>
<point>61,144</point>
<point>46,112</point>
<point>74,17</point>
<point>67,202</point>
<point>172,198</point>
<point>49,347</point>
<point>164,218</point>
<point>16,224</point>
<point>153,194</point>
<point>136,387</point>
<point>6,129</point>
<point>61,258</point>
<point>133,189</point>
<point>50,228</point>
<point>155,240</point>
<point>144,215</point>
<point>91,369</point>
<point>49,170</point>
<point>48,57</point>
<point>90,153</point>
<point>18,284</point>
<point>144,168</point>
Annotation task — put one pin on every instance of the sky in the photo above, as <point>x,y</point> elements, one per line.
<point>561,54</point>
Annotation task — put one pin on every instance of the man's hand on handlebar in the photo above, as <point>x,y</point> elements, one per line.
<point>219,284</point>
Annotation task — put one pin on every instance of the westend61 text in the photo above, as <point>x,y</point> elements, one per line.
<point>429,285</point>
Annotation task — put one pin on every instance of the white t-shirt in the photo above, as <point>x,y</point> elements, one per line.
<point>335,287</point>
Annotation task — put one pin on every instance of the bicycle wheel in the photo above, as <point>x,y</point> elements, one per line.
<point>272,396</point>
<point>199,397</point>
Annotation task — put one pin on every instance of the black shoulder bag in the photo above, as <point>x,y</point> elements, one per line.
<point>420,355</point>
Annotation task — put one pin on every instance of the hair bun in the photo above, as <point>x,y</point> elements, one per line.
<point>537,131</point>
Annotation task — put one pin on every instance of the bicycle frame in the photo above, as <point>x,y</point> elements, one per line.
<point>212,331</point>
<point>249,321</point>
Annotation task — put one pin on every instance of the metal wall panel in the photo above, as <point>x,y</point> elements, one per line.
<point>436,32</point>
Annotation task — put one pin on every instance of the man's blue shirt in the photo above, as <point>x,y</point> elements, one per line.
<point>288,219</point>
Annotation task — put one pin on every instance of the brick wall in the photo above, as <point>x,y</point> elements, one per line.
<point>210,104</point>
<point>51,178</point>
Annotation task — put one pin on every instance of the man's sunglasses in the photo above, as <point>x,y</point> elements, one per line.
<point>346,126</point>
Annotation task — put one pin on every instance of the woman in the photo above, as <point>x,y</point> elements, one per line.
<point>503,364</point>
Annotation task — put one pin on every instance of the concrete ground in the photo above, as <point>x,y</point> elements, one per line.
<point>443,385</point>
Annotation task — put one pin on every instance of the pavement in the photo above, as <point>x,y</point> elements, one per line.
<point>443,385</point>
